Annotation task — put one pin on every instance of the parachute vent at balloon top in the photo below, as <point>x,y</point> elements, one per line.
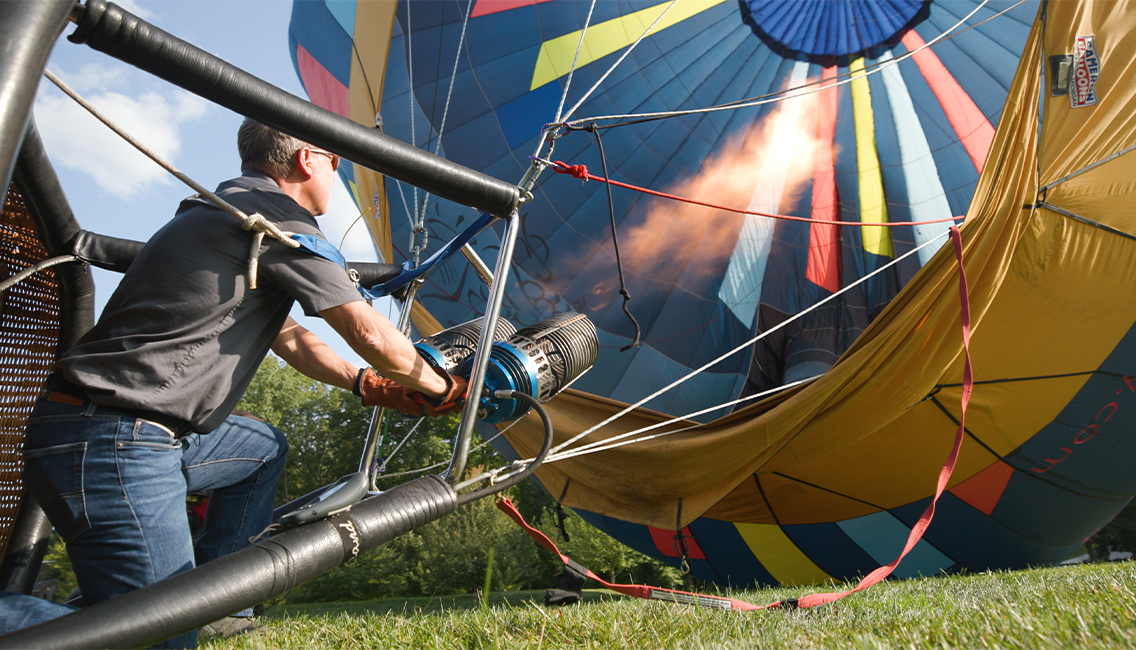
<point>831,28</point>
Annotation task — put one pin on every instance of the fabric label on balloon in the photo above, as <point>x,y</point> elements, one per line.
<point>1086,69</point>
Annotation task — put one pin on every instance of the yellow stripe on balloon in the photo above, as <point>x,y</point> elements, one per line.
<point>780,556</point>
<point>555,58</point>
<point>873,207</point>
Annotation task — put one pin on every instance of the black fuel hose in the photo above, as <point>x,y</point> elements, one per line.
<point>528,471</point>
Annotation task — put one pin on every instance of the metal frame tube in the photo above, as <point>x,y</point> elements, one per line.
<point>484,345</point>
<point>27,33</point>
<point>479,266</point>
<point>370,447</point>
<point>114,31</point>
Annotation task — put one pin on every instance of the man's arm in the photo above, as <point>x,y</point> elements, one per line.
<point>305,352</point>
<point>383,346</point>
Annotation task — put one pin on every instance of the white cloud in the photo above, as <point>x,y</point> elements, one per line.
<point>77,140</point>
<point>95,76</point>
<point>132,7</point>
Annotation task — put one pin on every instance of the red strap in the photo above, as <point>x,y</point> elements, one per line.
<point>638,591</point>
<point>581,172</point>
<point>655,593</point>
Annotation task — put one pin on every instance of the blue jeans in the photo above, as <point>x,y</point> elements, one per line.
<point>114,488</point>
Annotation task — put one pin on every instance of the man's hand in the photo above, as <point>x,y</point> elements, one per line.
<point>450,401</point>
<point>380,391</point>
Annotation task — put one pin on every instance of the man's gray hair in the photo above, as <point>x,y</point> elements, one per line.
<point>265,149</point>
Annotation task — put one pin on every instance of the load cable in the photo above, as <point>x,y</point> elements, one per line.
<point>575,59</point>
<point>254,222</point>
<point>744,345</point>
<point>623,56</point>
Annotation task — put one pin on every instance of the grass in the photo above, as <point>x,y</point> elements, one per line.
<point>1087,606</point>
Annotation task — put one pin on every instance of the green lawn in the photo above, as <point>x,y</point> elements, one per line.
<point>1087,606</point>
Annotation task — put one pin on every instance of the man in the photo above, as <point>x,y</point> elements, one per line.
<point>139,411</point>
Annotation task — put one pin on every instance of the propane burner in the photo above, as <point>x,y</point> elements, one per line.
<point>540,361</point>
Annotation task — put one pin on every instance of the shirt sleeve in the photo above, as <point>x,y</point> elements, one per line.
<point>314,282</point>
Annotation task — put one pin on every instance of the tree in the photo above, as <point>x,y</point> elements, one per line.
<point>1118,535</point>
<point>325,426</point>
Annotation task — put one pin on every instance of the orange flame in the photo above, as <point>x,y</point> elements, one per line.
<point>681,246</point>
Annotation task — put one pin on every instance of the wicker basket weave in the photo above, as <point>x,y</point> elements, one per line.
<point>29,333</point>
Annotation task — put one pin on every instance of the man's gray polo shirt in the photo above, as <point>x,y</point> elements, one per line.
<point>183,335</point>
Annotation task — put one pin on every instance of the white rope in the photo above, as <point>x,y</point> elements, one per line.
<point>620,60</point>
<point>791,93</point>
<point>622,439</point>
<point>604,445</point>
<point>453,77</point>
<point>748,343</point>
<point>383,467</point>
<point>353,223</point>
<point>575,58</point>
<point>413,132</point>
<point>254,222</point>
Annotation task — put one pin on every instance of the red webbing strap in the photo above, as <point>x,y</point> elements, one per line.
<point>812,600</point>
<point>581,172</point>
<point>638,591</point>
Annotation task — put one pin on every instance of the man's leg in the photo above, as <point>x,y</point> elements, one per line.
<point>18,611</point>
<point>113,489</point>
<point>241,463</point>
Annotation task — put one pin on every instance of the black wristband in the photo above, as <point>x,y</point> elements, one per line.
<point>358,387</point>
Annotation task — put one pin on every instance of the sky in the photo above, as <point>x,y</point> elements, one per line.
<point>115,190</point>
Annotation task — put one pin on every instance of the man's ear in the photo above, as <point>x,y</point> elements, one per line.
<point>305,164</point>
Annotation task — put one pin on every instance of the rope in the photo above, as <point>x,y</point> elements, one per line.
<point>383,467</point>
<point>254,222</point>
<point>948,466</point>
<point>594,448</point>
<point>581,172</point>
<point>745,345</point>
<point>622,439</point>
<point>812,600</point>
<point>446,462</point>
<point>618,61</point>
<point>788,93</point>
